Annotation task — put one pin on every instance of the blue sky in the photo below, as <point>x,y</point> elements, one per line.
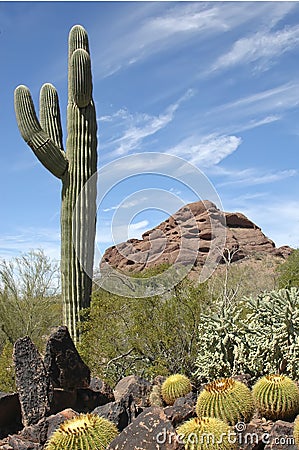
<point>214,83</point>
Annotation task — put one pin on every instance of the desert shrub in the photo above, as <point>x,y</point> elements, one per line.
<point>256,335</point>
<point>7,372</point>
<point>29,297</point>
<point>288,272</point>
<point>147,336</point>
<point>247,277</point>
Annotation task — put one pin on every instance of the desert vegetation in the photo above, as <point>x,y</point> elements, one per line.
<point>240,321</point>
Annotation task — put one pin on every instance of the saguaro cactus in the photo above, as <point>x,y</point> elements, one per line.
<point>75,166</point>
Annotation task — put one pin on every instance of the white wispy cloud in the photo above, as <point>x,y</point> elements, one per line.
<point>139,126</point>
<point>207,150</point>
<point>138,226</point>
<point>261,47</point>
<point>126,204</point>
<point>252,177</point>
<point>24,240</point>
<point>167,26</point>
<point>254,123</point>
<point>256,109</point>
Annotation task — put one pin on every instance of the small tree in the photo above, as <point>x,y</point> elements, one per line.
<point>29,300</point>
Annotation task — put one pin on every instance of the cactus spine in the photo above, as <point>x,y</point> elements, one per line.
<point>174,387</point>
<point>86,431</point>
<point>206,433</point>
<point>74,167</point>
<point>226,399</point>
<point>276,397</point>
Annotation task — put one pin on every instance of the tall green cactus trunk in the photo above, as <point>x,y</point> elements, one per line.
<point>74,167</point>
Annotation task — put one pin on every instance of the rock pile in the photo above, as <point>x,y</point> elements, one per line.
<point>57,394</point>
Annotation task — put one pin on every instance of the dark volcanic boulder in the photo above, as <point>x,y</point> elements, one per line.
<point>88,399</point>
<point>254,434</point>
<point>63,362</point>
<point>10,414</point>
<point>98,385</point>
<point>150,430</point>
<point>121,412</point>
<point>135,386</point>
<point>183,409</point>
<point>281,436</point>
<point>35,436</point>
<point>33,384</point>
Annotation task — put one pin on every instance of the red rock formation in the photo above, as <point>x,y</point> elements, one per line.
<point>189,235</point>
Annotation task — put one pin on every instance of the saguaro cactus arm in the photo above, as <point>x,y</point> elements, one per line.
<point>49,113</point>
<point>46,150</point>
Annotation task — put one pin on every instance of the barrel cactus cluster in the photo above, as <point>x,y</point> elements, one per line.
<point>276,397</point>
<point>86,431</point>
<point>206,433</point>
<point>174,387</point>
<point>224,403</point>
<point>226,399</point>
<point>74,166</point>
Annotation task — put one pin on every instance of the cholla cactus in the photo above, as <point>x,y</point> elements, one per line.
<point>222,346</point>
<point>227,399</point>
<point>272,330</point>
<point>86,431</point>
<point>174,387</point>
<point>276,397</point>
<point>75,166</point>
<point>254,335</point>
<point>206,433</point>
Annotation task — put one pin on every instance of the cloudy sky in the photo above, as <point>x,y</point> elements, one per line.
<point>213,83</point>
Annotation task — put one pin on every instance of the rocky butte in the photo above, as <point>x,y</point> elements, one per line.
<point>191,234</point>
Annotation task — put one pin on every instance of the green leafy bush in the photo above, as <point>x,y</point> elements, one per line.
<point>288,272</point>
<point>7,372</point>
<point>147,336</point>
